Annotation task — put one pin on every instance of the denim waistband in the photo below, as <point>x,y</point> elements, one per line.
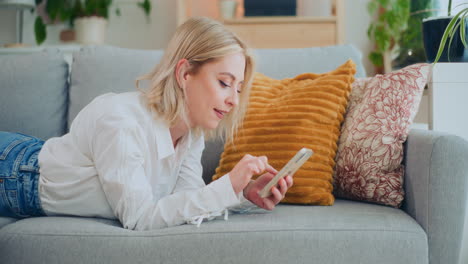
<point>19,175</point>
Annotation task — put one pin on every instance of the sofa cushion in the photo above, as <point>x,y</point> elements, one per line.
<point>286,115</point>
<point>348,232</point>
<point>370,151</point>
<point>98,70</point>
<point>284,63</point>
<point>6,220</point>
<point>34,93</point>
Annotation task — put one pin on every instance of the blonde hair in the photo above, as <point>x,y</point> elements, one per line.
<point>199,40</point>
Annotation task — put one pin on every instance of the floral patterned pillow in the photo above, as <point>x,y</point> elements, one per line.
<point>370,149</point>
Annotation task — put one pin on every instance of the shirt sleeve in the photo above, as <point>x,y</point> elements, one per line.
<point>244,206</point>
<point>190,178</point>
<point>117,151</point>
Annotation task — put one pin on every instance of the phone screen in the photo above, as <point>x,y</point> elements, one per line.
<point>290,168</point>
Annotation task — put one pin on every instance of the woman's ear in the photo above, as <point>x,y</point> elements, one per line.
<point>182,72</point>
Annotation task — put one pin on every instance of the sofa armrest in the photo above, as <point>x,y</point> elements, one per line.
<point>436,181</point>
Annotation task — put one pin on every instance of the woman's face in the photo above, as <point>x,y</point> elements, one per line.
<point>213,91</point>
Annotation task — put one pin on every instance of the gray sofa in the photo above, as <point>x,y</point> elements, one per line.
<point>39,96</point>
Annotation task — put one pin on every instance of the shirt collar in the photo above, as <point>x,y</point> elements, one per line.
<point>163,138</point>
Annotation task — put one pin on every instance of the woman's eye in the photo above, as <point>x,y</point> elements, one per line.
<point>239,91</point>
<point>223,84</point>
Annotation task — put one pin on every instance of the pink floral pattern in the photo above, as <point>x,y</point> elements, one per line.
<point>370,149</point>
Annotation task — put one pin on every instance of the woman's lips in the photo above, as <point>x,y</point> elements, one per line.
<point>220,114</point>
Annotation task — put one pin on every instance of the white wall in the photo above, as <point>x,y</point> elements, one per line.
<point>130,30</point>
<point>138,33</point>
<point>357,21</point>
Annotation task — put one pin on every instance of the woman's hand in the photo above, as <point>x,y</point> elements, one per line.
<point>248,166</point>
<point>251,192</point>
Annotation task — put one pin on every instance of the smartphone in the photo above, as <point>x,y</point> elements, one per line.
<point>289,169</point>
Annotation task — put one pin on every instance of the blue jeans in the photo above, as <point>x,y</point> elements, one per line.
<point>19,175</point>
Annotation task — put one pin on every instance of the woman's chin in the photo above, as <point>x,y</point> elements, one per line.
<point>211,125</point>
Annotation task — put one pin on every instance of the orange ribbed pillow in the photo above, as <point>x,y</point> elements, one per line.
<point>285,115</point>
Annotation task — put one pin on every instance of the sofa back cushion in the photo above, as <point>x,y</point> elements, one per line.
<point>34,92</point>
<point>98,70</point>
<point>284,63</point>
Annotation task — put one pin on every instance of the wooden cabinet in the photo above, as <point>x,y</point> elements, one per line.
<point>285,32</point>
<point>280,32</point>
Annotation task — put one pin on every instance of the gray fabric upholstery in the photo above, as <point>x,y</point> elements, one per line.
<point>98,70</point>
<point>436,185</point>
<point>34,93</point>
<point>6,220</point>
<point>210,158</point>
<point>348,232</point>
<point>287,63</point>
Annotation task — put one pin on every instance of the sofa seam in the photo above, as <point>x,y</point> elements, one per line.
<point>429,197</point>
<point>429,193</point>
<point>209,233</point>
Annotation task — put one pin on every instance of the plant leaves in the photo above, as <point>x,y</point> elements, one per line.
<point>39,31</point>
<point>370,30</point>
<point>384,3</point>
<point>392,21</point>
<point>450,31</point>
<point>444,39</point>
<point>372,6</point>
<point>146,6</point>
<point>376,58</point>
<point>464,17</point>
<point>54,8</point>
<point>382,40</point>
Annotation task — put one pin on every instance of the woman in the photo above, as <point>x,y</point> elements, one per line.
<point>136,156</point>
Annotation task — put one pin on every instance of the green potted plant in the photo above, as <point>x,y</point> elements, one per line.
<point>391,20</point>
<point>411,47</point>
<point>438,30</point>
<point>79,13</point>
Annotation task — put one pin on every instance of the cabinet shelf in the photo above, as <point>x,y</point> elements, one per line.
<point>280,31</point>
<point>279,19</point>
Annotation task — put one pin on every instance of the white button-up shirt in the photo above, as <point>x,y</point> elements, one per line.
<point>118,161</point>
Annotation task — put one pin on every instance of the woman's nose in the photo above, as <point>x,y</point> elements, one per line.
<point>233,99</point>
